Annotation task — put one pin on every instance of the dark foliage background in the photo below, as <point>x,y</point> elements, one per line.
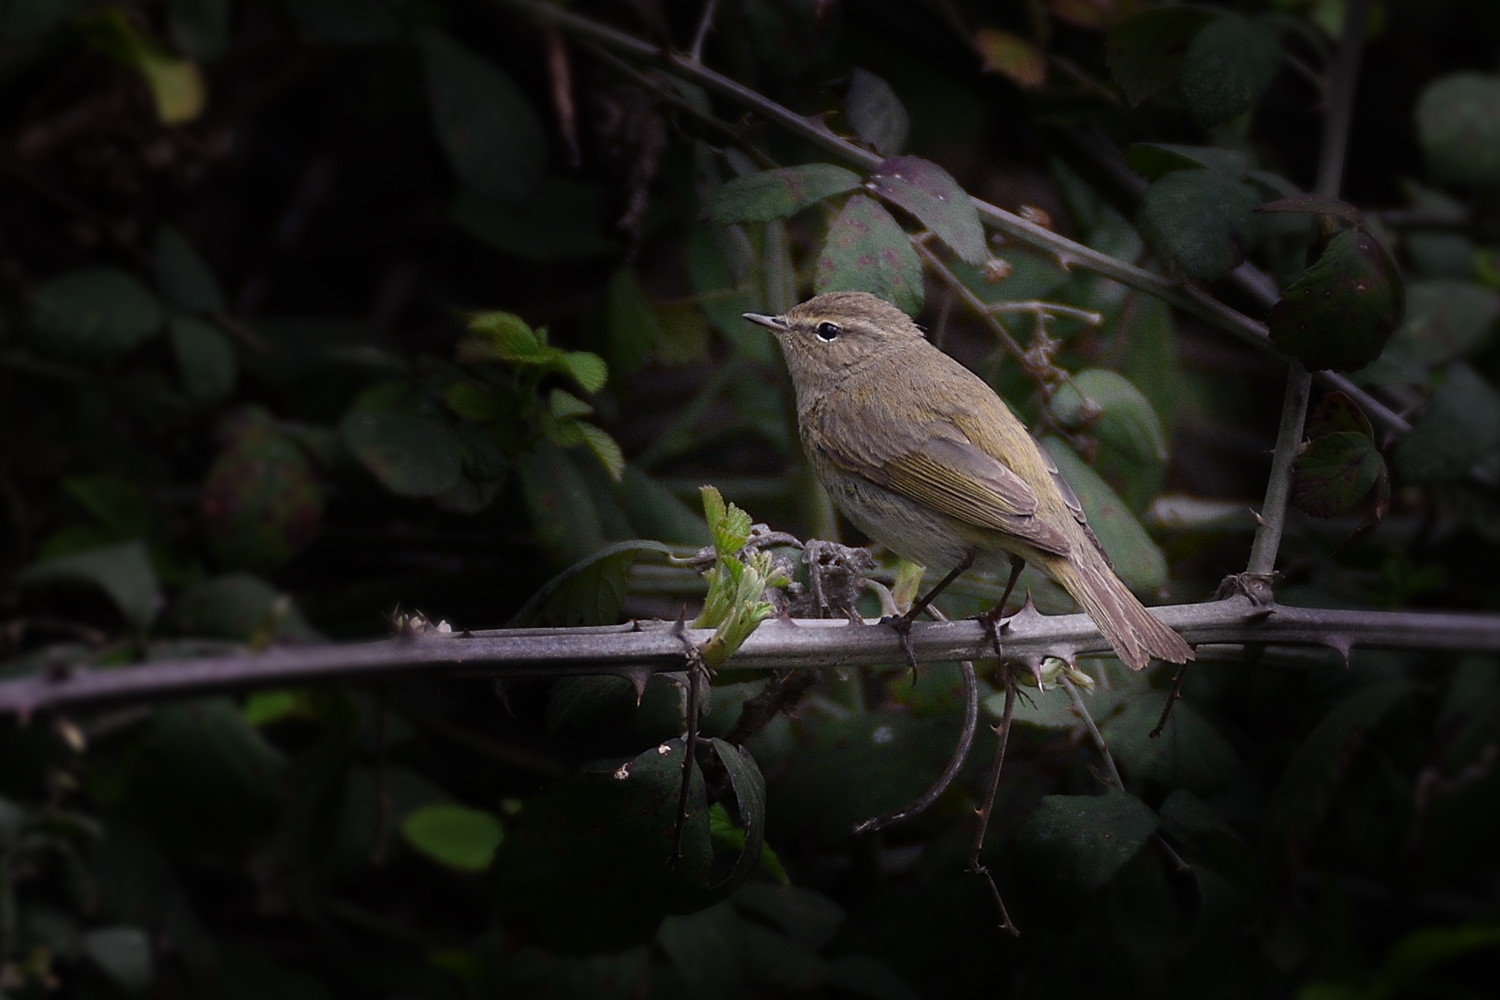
<point>272,276</point>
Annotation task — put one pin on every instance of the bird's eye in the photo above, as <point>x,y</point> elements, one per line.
<point>828,331</point>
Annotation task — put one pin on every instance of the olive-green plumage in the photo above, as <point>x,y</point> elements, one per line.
<point>923,456</point>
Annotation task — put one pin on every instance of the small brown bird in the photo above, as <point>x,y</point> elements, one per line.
<point>922,455</point>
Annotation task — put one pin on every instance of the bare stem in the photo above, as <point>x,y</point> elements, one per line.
<point>1082,711</point>
<point>1046,310</point>
<point>1345,76</point>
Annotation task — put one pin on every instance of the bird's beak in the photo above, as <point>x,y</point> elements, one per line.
<point>776,324</point>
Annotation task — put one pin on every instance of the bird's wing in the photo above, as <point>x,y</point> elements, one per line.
<point>935,464</point>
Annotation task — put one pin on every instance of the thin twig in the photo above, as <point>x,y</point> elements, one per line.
<point>976,862</point>
<point>1082,711</point>
<point>705,25</point>
<point>1046,310</point>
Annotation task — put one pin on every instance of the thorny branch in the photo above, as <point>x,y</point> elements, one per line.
<point>1188,297</point>
<point>797,644</point>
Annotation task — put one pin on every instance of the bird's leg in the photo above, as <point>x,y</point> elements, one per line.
<point>902,624</point>
<point>991,619</point>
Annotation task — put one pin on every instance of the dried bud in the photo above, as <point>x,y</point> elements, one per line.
<point>1037,215</point>
<point>996,270</point>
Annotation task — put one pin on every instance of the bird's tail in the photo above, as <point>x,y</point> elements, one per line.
<point>1134,632</point>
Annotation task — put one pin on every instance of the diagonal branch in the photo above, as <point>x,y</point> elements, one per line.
<point>652,646</point>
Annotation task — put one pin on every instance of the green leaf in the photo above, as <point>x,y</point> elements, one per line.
<point>123,572</point>
<point>750,803</point>
<point>633,326</point>
<point>925,189</point>
<point>94,315</point>
<point>810,917</point>
<point>485,124</point>
<point>262,502</point>
<point>778,194</point>
<point>565,219</point>
<point>605,449</point>
<point>719,297</point>
<point>576,705</point>
<point>1145,53</point>
<point>239,606</point>
<point>122,953</point>
<point>176,84</point>
<point>867,251</point>
<point>1336,412</point>
<point>584,864</point>
<point>1334,472</point>
<point>205,361</point>
<point>1446,319</point>
<point>1189,753</point>
<point>1342,310</point>
<point>1135,556</point>
<point>182,277</point>
<point>1305,793</point>
<point>588,370</point>
<point>347,22</point>
<point>117,504</point>
<point>656,512</point>
<point>1230,63</point>
<point>1080,841</point>
<point>1200,221</point>
<point>1459,428</point>
<point>199,28</point>
<point>22,19</point>
<point>876,113</point>
<point>1154,160</point>
<point>1458,123</point>
<point>411,455</point>
<point>453,835</point>
<point>1115,410</point>
<point>563,514</point>
<point>1012,55</point>
<point>729,525</point>
<point>707,951</point>
<point>590,592</point>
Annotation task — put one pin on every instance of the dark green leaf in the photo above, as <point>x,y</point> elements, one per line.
<point>925,189</point>
<point>868,977</point>
<point>202,776</point>
<point>1306,790</point>
<point>262,502</point>
<point>1446,319</point>
<point>1146,52</point>
<point>413,456</point>
<point>486,125</point>
<point>239,606</point>
<point>656,512</point>
<point>563,514</point>
<point>706,949</point>
<point>1336,412</point>
<point>199,28</point>
<point>1230,62</point>
<point>1334,472</point>
<point>1342,310</point>
<point>563,220</point>
<point>1189,753</point>
<point>1116,411</point>
<point>348,22</point>
<point>93,315</point>
<point>205,361</point>
<point>589,592</point>
<point>1154,160</point>
<point>721,300</point>
<point>1136,557</point>
<point>777,962</point>
<point>1311,204</point>
<point>453,835</point>
<point>121,953</point>
<point>876,113</point>
<point>750,802</point>
<point>1458,122</point>
<point>585,863</point>
<point>633,327</point>
<point>122,571</point>
<point>1459,428</point>
<point>1200,221</point>
<point>1080,841</point>
<point>1423,950</point>
<point>777,194</point>
<point>576,705</point>
<point>810,917</point>
<point>867,251</point>
<point>182,277</point>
